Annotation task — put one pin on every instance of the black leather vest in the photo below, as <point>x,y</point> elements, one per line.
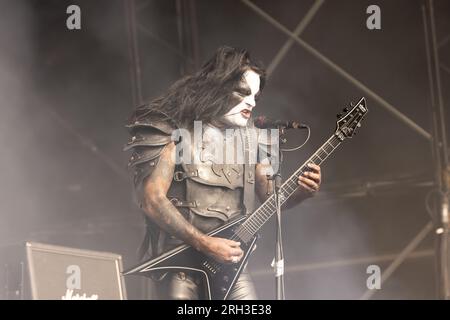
<point>205,190</point>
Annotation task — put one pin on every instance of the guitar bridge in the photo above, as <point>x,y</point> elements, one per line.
<point>212,267</point>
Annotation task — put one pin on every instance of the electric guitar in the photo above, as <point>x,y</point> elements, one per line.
<point>219,278</point>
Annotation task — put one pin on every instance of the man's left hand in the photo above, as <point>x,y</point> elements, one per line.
<point>310,181</point>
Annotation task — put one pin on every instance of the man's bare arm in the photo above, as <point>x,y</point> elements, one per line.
<point>159,207</point>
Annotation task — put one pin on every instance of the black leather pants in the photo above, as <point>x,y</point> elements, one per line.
<point>185,286</point>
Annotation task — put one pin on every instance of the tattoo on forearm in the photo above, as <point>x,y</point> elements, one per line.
<point>159,207</point>
<point>172,221</point>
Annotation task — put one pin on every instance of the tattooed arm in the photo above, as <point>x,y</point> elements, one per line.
<point>166,215</point>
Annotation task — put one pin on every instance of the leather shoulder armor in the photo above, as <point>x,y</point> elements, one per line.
<point>149,137</point>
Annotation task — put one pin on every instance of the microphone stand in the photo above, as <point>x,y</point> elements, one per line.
<point>278,263</point>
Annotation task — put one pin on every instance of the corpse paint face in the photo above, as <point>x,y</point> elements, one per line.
<point>247,92</point>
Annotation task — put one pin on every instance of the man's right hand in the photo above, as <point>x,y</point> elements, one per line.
<point>223,250</point>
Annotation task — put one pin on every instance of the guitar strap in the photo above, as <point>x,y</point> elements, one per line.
<point>250,147</point>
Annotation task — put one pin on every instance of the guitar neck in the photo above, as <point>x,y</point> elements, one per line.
<point>261,215</point>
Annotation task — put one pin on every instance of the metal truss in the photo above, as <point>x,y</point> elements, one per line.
<point>294,38</point>
<point>189,54</point>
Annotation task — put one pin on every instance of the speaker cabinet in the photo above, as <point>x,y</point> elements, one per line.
<point>57,273</point>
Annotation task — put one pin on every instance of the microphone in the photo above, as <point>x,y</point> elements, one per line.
<point>262,122</point>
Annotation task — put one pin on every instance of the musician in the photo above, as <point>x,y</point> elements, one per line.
<point>184,201</point>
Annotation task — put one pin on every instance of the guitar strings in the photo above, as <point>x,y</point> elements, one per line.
<point>255,221</point>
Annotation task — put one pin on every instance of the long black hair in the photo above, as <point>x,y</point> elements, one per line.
<point>207,94</point>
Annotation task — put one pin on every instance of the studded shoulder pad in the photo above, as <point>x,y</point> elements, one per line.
<point>148,139</point>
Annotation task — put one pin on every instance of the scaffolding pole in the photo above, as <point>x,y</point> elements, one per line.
<point>402,256</point>
<point>440,153</point>
<point>403,118</point>
<point>294,36</point>
<point>133,52</point>
<point>188,41</point>
<point>298,31</point>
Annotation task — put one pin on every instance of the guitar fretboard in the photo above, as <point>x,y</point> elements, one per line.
<point>261,215</point>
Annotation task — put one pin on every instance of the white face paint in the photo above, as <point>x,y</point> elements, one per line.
<point>239,114</point>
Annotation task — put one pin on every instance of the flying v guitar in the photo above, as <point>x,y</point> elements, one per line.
<point>219,278</point>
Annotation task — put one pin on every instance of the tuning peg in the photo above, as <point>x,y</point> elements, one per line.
<point>352,104</point>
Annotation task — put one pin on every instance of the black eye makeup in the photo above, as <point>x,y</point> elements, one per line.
<point>243,92</point>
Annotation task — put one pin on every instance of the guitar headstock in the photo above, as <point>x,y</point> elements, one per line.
<point>350,120</point>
